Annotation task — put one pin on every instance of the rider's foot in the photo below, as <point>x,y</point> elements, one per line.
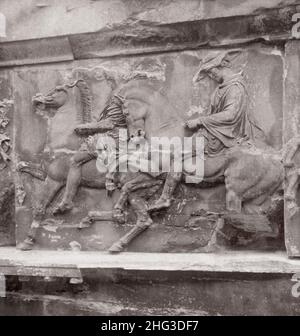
<point>26,245</point>
<point>62,208</point>
<point>161,203</point>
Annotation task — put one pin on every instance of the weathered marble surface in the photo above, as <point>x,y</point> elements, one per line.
<point>131,283</point>
<point>292,129</point>
<point>7,190</point>
<point>36,136</point>
<point>138,35</point>
<point>215,24</point>
<point>62,17</point>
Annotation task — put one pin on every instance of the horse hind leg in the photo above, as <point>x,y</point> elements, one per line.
<point>143,222</point>
<point>49,192</point>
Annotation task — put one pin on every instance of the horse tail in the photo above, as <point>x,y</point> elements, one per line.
<point>290,149</point>
<point>85,115</point>
<point>292,170</point>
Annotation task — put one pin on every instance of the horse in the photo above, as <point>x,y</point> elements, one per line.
<point>57,105</point>
<point>250,175</point>
<point>253,189</point>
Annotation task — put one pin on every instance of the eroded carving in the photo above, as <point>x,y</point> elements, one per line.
<point>251,175</point>
<point>292,174</point>
<point>5,145</point>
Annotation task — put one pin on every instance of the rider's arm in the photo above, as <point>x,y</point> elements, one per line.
<point>94,127</point>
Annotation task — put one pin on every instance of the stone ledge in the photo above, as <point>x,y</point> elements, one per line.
<point>71,263</point>
<point>270,26</point>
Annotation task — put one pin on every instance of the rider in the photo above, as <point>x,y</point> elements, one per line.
<point>111,120</point>
<point>227,122</point>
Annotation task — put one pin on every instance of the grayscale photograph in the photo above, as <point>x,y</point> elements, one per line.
<point>149,160</point>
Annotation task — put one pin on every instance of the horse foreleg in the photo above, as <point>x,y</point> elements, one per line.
<point>47,195</point>
<point>49,192</point>
<point>143,222</point>
<point>233,201</point>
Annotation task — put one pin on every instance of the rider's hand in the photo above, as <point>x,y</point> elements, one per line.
<point>192,123</point>
<point>195,109</point>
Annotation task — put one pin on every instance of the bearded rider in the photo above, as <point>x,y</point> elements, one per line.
<point>227,122</point>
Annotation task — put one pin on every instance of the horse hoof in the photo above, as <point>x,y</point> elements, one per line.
<point>116,248</point>
<point>288,164</point>
<point>26,245</point>
<point>61,209</point>
<point>159,205</point>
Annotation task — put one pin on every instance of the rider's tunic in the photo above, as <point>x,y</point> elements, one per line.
<point>113,112</point>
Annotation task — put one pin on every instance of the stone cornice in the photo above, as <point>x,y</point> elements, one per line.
<point>270,26</point>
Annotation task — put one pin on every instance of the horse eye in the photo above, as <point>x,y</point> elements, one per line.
<point>105,147</point>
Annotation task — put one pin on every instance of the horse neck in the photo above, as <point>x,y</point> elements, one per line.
<point>154,111</point>
<point>65,109</point>
<point>61,128</point>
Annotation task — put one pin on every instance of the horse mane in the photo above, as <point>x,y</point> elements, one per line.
<point>85,114</point>
<point>86,101</point>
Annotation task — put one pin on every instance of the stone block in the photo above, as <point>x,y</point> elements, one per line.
<point>44,137</point>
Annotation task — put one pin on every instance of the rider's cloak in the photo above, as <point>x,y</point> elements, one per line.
<point>228,119</point>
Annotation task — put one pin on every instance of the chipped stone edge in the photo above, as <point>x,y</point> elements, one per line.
<point>148,38</point>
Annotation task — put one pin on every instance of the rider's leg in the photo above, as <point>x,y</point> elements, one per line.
<point>170,185</point>
<point>73,181</point>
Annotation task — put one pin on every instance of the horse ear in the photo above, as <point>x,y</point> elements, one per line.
<point>232,55</point>
<point>71,85</point>
<point>197,75</point>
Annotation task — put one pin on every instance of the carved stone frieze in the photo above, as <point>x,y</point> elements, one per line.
<point>7,204</point>
<point>78,194</point>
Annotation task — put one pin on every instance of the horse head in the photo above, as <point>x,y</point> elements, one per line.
<point>59,97</point>
<point>55,98</point>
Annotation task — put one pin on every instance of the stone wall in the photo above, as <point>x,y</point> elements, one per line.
<point>165,294</point>
<point>31,19</point>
